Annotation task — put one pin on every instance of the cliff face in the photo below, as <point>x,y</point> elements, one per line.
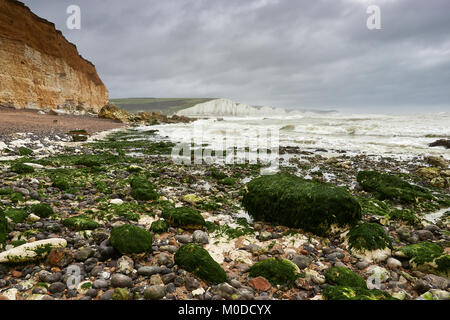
<point>40,69</point>
<point>228,108</point>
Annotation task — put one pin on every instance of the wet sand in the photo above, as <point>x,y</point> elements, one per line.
<point>14,121</point>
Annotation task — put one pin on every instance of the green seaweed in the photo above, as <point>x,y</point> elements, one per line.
<point>184,217</point>
<point>387,186</point>
<point>80,222</point>
<point>42,210</point>
<point>16,215</point>
<point>355,293</point>
<point>298,203</point>
<point>3,227</point>
<point>21,168</point>
<point>159,226</point>
<point>195,259</point>
<point>342,276</point>
<point>23,151</point>
<point>423,252</point>
<point>275,270</point>
<point>368,236</point>
<point>131,239</point>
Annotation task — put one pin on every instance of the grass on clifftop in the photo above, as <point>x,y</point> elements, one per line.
<point>165,106</point>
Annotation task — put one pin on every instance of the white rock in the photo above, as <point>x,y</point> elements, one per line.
<point>146,221</point>
<point>379,273</point>
<point>314,276</point>
<point>125,265</point>
<point>27,251</point>
<point>372,256</point>
<point>35,296</point>
<point>10,293</point>
<point>33,218</point>
<point>116,201</point>
<point>34,165</point>
<point>393,263</point>
<point>401,295</point>
<point>198,292</point>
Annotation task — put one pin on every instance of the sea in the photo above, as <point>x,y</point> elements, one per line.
<point>384,135</point>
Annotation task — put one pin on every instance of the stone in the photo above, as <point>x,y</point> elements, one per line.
<point>83,253</point>
<point>223,290</point>
<point>425,235</point>
<point>200,237</point>
<point>265,236</point>
<point>393,263</point>
<point>100,284</point>
<point>154,292</point>
<point>148,270</point>
<point>191,283</point>
<point>125,265</point>
<point>198,292</point>
<point>121,294</point>
<point>31,251</point>
<point>314,276</point>
<point>437,282</point>
<point>192,199</point>
<point>57,287</point>
<point>167,278</point>
<point>378,273</point>
<point>164,259</point>
<point>183,238</point>
<point>259,283</point>
<point>437,161</point>
<point>116,201</point>
<point>121,281</point>
<point>421,286</point>
<point>301,261</point>
<point>92,292</point>
<point>50,277</point>
<point>108,295</point>
<point>156,280</point>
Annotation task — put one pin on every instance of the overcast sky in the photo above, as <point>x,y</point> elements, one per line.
<point>287,53</point>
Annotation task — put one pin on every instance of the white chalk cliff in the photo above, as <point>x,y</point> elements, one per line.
<point>228,108</point>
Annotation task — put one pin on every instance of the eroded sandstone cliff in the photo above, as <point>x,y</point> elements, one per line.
<point>40,69</point>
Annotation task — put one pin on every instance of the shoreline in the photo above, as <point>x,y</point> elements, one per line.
<point>13,121</point>
<point>92,180</point>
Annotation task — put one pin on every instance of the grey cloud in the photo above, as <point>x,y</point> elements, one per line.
<point>287,53</point>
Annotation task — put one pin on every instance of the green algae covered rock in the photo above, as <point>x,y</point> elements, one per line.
<point>80,223</point>
<point>368,236</point>
<point>21,168</point>
<point>420,253</point>
<point>184,217</point>
<point>144,194</point>
<point>24,151</point>
<point>60,182</point>
<point>342,276</point>
<point>142,189</point>
<point>427,257</point>
<point>276,271</point>
<point>355,293</point>
<point>131,239</point>
<point>42,210</point>
<point>195,259</point>
<point>298,203</point>
<point>387,186</point>
<point>121,294</point>
<point>159,226</point>
<point>443,265</point>
<point>16,215</point>
<point>3,227</point>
